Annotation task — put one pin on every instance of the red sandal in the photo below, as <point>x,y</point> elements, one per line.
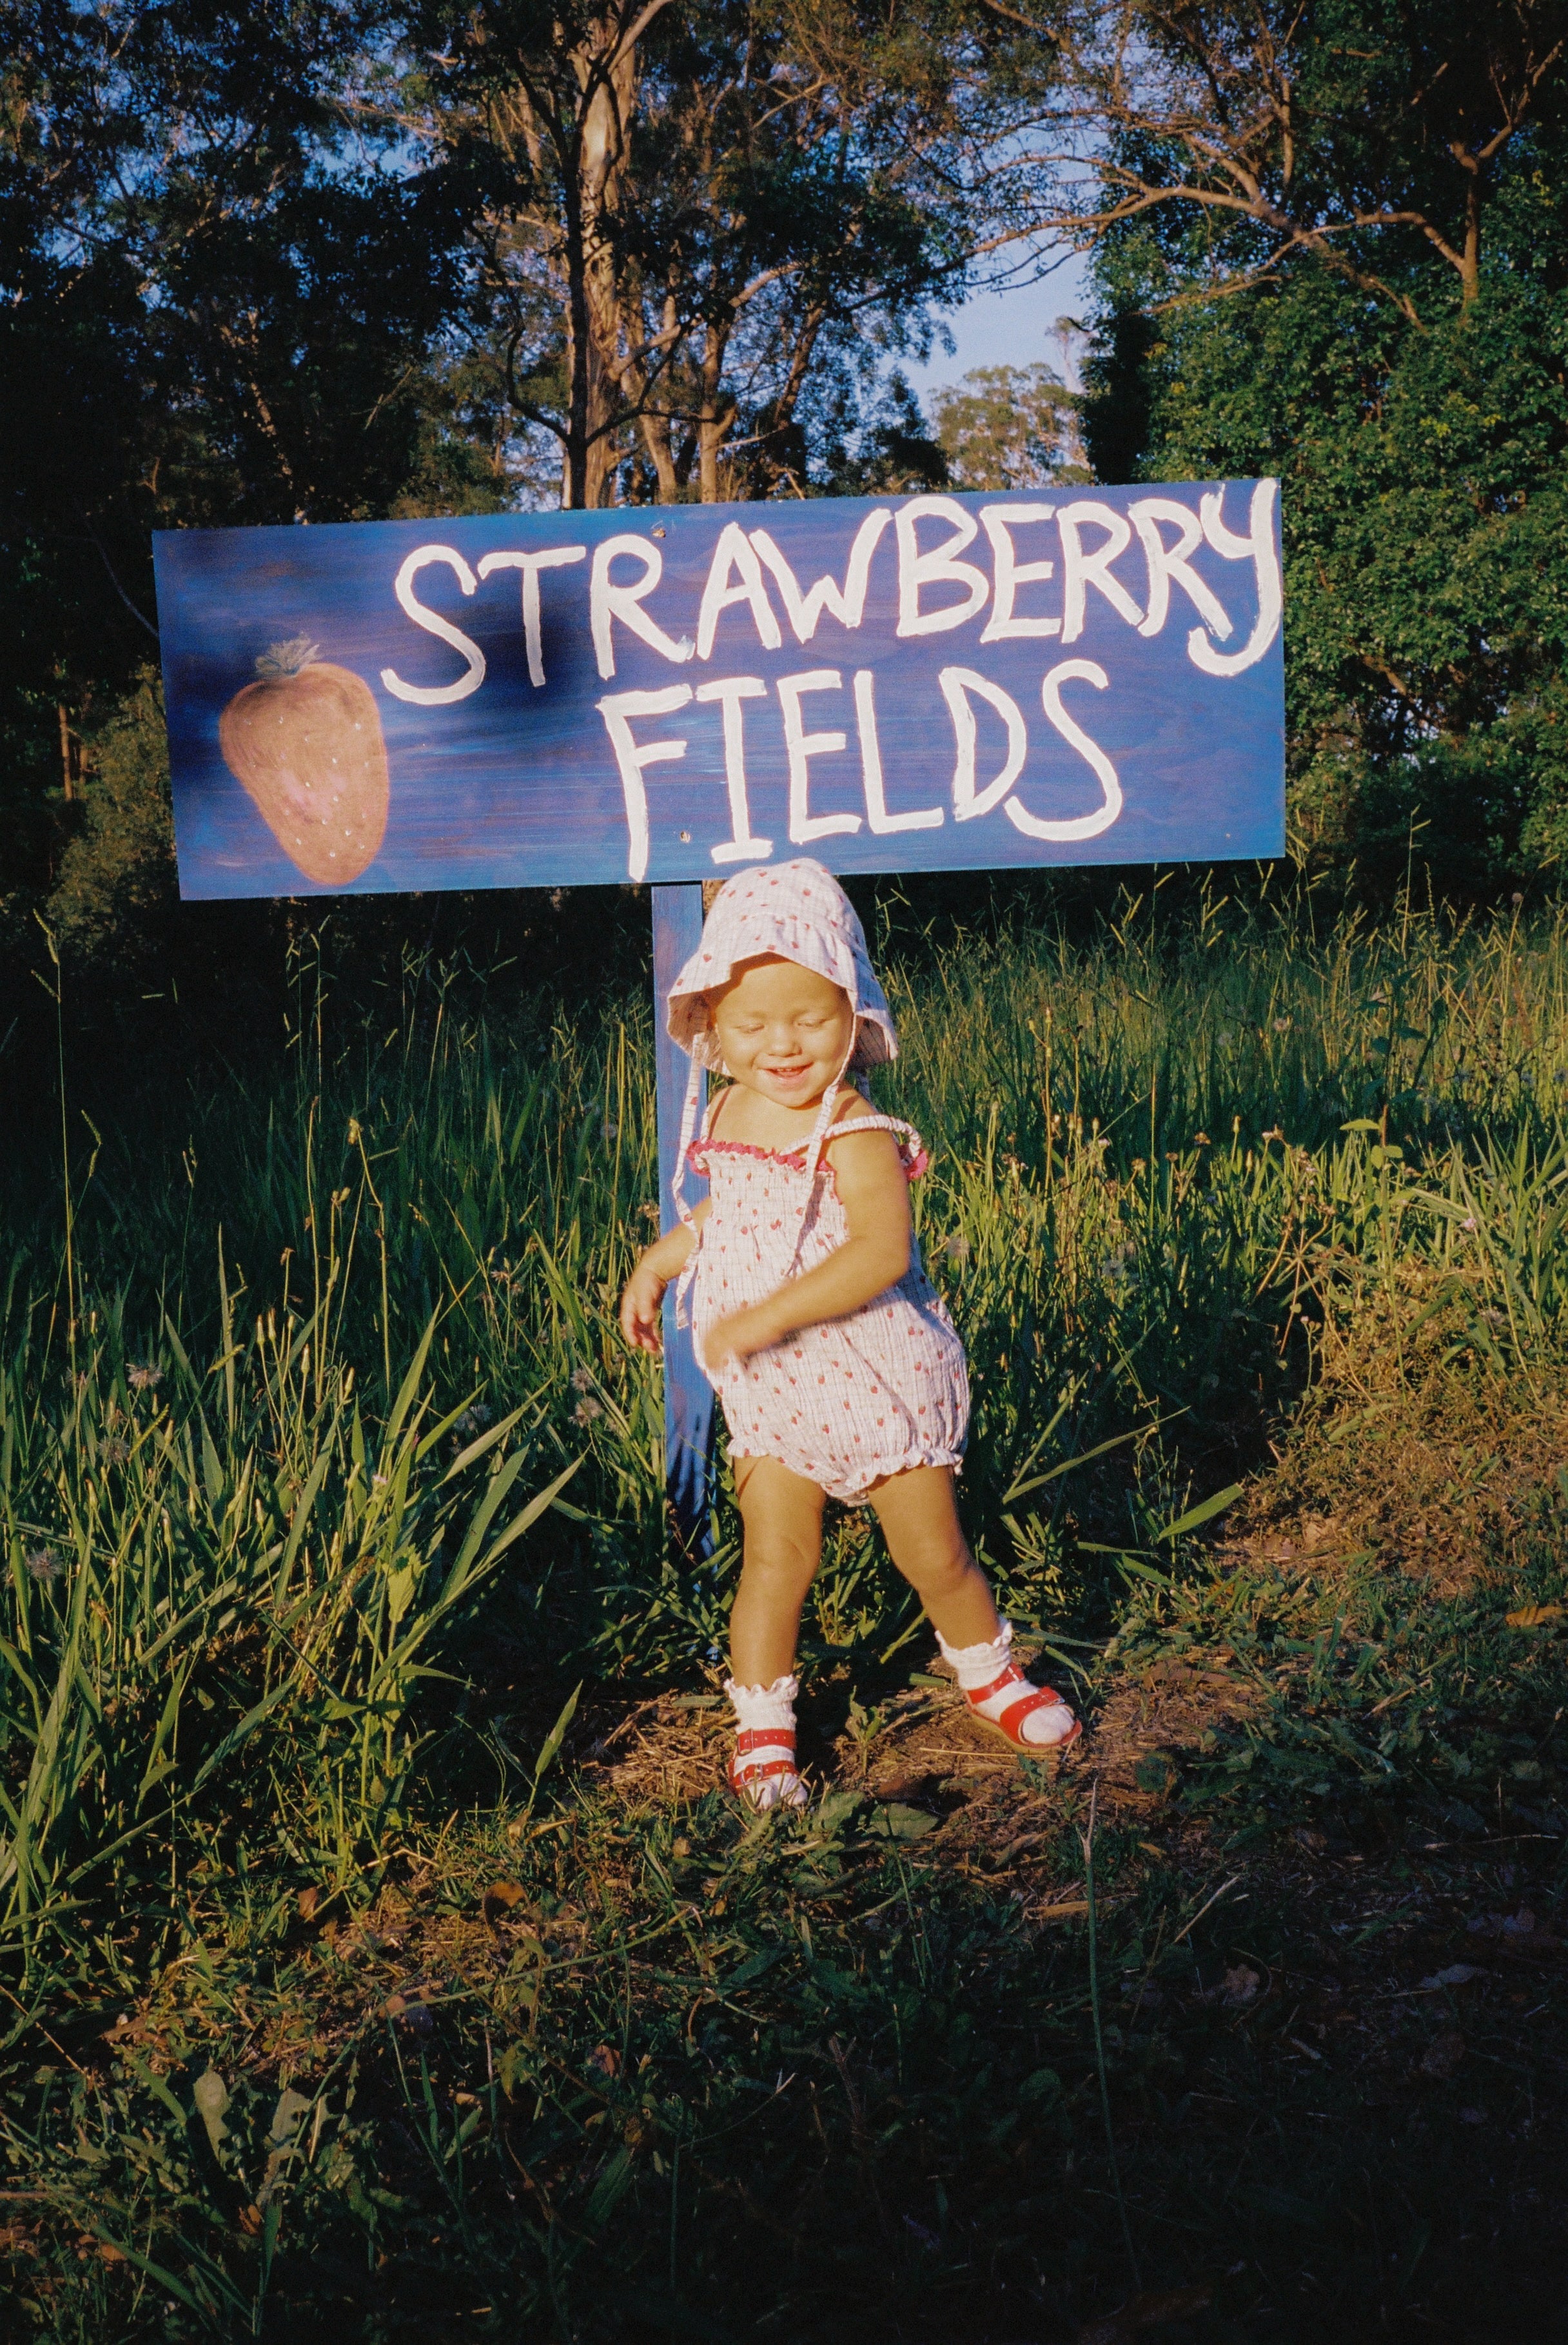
<point>1028,1702</point>
<point>763,1772</point>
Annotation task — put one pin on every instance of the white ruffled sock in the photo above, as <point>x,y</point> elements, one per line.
<point>979,1665</point>
<point>768,1711</point>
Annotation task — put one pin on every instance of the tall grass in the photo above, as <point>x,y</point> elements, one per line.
<point>266,1431</point>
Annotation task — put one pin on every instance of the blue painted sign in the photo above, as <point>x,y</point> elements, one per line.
<point>662,694</point>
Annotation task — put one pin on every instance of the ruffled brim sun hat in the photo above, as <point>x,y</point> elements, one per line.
<point>796,911</point>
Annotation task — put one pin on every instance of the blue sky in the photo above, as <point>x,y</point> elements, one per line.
<point>1012,327</point>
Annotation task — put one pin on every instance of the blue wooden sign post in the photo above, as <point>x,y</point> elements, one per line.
<point>662,695</point>
<point>688,1395</point>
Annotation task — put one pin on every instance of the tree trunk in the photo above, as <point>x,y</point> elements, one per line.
<point>606,70</point>
<point>1469,265</point>
<point>713,425</point>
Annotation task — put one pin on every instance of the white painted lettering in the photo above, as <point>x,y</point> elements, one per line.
<point>632,756</point>
<point>1011,574</point>
<point>957,685</point>
<point>1170,564</point>
<point>607,602</point>
<point>847,604</point>
<point>1258,545</point>
<point>916,569</point>
<point>436,696</point>
<point>530,565</point>
<point>876,814</point>
<point>1081,571</point>
<point>729,692</point>
<point>1085,826</point>
<point>734,554</point>
<point>801,746</point>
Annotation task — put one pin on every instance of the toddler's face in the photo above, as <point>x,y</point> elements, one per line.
<point>784,1031</point>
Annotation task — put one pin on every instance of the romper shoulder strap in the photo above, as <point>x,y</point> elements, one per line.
<point>870,1123</point>
<point>911,1147</point>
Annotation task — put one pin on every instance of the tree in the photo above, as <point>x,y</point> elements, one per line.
<point>1421,432</point>
<point>218,294</point>
<point>682,217</point>
<point>1010,427</point>
<point>1328,244</point>
<point>1338,129</point>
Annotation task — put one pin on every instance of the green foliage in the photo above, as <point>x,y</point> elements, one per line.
<point>304,1639</point>
<point>114,886</point>
<point>222,289</point>
<point>720,223</point>
<point>1009,427</point>
<point>238,1576</point>
<point>1418,423</point>
<point>439,1207</point>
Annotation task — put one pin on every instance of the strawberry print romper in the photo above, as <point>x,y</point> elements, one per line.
<point>851,1400</point>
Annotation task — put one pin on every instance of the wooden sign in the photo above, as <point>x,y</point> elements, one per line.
<point>917,683</point>
<point>666,694</point>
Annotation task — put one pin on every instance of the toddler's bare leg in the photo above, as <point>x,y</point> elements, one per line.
<point>919,1519</point>
<point>781,1513</point>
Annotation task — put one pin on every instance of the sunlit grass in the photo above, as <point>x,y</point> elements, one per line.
<point>317,1431</point>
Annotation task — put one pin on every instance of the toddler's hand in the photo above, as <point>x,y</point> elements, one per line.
<point>640,1307</point>
<point>734,1338</point>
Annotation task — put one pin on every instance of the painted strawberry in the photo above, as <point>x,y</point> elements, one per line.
<point>306,741</point>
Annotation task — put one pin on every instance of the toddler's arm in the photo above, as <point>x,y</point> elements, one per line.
<point>644,1290</point>
<point>875,1193</point>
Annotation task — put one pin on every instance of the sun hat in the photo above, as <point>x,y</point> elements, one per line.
<point>799,912</point>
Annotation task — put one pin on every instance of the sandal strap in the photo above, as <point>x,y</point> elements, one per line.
<point>1012,1719</point>
<point>756,1771</point>
<point>765,1737</point>
<point>1011,1676</point>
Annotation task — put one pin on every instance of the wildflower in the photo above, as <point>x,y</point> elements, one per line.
<point>612,1130</point>
<point>1202,1139</point>
<point>473,1420</point>
<point>587,1409</point>
<point>1281,1025</point>
<point>143,1375</point>
<point>1516,900</point>
<point>583,1380</point>
<point>1467,1223</point>
<point>957,1249</point>
<point>42,1564</point>
<point>650,1212</point>
<point>1225,1040</point>
<point>114,1452</point>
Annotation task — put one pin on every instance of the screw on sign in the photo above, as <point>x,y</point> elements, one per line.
<point>463,737</point>
<point>305,740</point>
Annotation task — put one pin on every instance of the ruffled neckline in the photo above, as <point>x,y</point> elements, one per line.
<point>914,1159</point>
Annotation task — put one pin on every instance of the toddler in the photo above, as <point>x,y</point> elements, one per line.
<point>840,1372</point>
